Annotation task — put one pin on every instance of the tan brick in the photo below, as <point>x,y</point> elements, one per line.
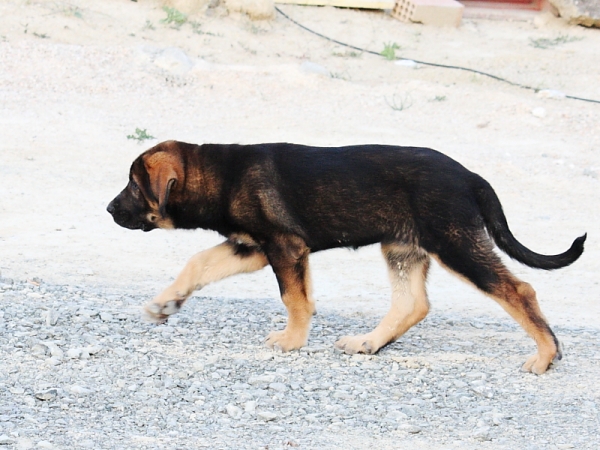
<point>429,12</point>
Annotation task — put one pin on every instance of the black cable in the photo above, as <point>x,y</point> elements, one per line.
<point>425,63</point>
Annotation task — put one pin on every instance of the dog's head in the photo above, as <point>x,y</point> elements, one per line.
<point>153,179</point>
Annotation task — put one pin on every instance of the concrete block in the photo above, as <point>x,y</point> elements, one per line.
<point>581,12</point>
<point>429,12</point>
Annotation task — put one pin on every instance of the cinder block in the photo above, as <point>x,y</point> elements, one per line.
<point>429,12</point>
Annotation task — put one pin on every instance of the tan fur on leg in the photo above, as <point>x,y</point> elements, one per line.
<point>203,268</point>
<point>408,272</point>
<point>519,300</point>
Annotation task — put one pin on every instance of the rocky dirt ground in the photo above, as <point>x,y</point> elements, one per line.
<point>79,369</point>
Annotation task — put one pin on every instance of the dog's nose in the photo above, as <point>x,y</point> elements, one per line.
<point>111,208</point>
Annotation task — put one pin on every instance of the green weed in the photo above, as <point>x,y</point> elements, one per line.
<point>399,103</point>
<point>546,43</point>
<point>389,51</point>
<point>140,135</point>
<point>174,17</point>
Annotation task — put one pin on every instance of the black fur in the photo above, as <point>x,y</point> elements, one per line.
<point>344,197</point>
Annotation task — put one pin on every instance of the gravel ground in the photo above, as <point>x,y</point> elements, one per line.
<point>79,369</point>
<point>83,371</point>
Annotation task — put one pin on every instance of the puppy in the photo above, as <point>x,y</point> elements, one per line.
<point>277,203</point>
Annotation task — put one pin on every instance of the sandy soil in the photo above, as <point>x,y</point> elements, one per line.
<point>76,78</point>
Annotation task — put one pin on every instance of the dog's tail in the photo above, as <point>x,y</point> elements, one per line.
<point>497,226</point>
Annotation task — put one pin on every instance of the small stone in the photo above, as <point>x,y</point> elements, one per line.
<point>279,387</point>
<point>39,350</point>
<point>174,60</point>
<point>267,416</point>
<point>79,390</point>
<point>5,440</point>
<point>312,418</point>
<point>74,353</point>
<point>311,67</point>
<point>261,379</point>
<point>150,371</point>
<point>233,411</point>
<point>396,416</point>
<point>407,63</point>
<point>55,350</point>
<point>409,428</point>
<point>45,444</point>
<point>540,112</point>
<point>85,271</point>
<point>551,93</point>
<point>91,350</point>
<point>482,434</point>
<point>24,443</point>
<point>46,395</point>
<point>106,317</point>
<point>51,317</point>
<point>250,407</point>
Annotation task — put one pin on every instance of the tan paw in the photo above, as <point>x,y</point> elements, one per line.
<point>357,344</point>
<point>286,340</point>
<point>163,306</point>
<point>536,364</point>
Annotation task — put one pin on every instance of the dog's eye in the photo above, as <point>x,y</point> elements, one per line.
<point>134,186</point>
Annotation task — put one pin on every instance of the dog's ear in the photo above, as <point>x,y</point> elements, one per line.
<point>165,171</point>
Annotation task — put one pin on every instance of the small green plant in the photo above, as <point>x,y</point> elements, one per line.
<point>148,25</point>
<point>68,10</point>
<point>546,43</point>
<point>340,75</point>
<point>41,35</point>
<point>389,51</point>
<point>439,98</point>
<point>351,54</point>
<point>174,17</point>
<point>196,27</point>
<point>399,102</point>
<point>140,135</point>
<point>246,48</point>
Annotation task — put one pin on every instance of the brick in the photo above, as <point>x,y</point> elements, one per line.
<point>429,12</point>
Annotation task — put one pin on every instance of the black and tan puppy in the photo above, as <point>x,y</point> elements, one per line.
<point>277,203</point>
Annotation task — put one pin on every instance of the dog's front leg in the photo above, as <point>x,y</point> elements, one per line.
<point>288,257</point>
<point>224,260</point>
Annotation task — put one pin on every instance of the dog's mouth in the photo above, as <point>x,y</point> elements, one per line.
<point>145,227</point>
<point>125,221</point>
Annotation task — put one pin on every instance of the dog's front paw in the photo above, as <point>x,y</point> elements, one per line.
<point>159,311</point>
<point>285,340</point>
<point>357,344</point>
<point>538,364</point>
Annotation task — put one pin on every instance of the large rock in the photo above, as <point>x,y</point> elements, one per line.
<point>188,7</point>
<point>580,12</point>
<point>255,9</point>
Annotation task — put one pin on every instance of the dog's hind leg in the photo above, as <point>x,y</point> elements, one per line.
<point>472,257</point>
<point>216,263</point>
<point>407,268</point>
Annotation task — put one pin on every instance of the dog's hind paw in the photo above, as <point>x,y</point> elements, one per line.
<point>159,313</point>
